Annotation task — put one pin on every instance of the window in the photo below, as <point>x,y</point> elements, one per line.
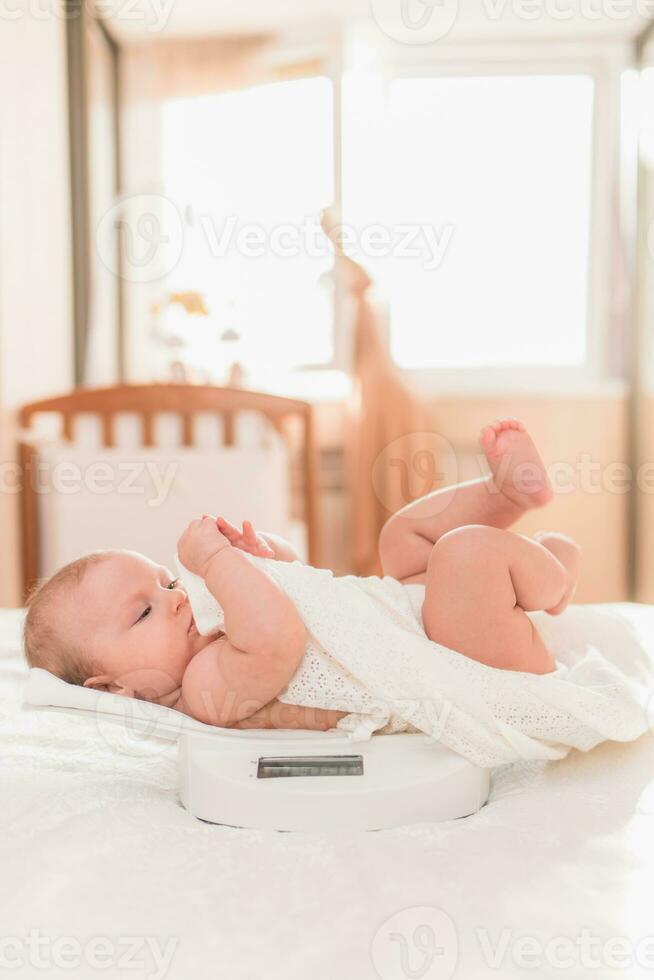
<point>252,170</point>
<point>486,181</point>
<point>472,196</point>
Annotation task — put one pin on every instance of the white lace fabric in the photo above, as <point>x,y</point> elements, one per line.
<point>368,655</point>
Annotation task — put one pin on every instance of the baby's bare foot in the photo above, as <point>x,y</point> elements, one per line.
<point>518,471</point>
<point>569,554</point>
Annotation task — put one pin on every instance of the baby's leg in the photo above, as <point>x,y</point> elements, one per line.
<point>518,481</point>
<point>568,552</point>
<point>481,581</point>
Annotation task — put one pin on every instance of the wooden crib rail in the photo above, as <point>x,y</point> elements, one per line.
<point>148,401</point>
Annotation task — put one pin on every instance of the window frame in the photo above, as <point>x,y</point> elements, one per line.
<point>605,64</point>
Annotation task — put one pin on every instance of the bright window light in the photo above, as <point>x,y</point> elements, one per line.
<point>253,169</point>
<point>492,178</point>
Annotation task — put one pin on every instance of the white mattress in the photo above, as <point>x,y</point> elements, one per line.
<point>94,843</point>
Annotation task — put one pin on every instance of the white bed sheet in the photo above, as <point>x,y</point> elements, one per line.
<point>94,843</point>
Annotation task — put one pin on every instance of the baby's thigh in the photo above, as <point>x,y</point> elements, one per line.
<point>470,604</point>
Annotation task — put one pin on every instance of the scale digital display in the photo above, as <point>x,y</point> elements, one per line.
<point>281,767</point>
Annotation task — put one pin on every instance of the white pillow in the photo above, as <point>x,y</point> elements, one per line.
<point>43,689</point>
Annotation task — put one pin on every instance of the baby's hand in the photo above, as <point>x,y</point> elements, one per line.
<point>247,540</point>
<point>199,543</point>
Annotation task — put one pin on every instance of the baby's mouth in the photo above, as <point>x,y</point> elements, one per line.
<point>192,627</point>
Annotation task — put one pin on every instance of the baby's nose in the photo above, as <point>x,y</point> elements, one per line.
<point>179,599</point>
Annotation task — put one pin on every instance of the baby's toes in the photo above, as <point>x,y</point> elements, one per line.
<point>510,423</point>
<point>488,435</point>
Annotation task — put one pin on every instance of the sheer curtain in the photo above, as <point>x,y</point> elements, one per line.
<point>389,428</point>
<point>152,74</point>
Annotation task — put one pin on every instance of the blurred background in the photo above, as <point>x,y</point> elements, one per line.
<point>415,216</point>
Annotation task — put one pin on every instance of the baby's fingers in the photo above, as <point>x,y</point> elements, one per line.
<point>249,533</point>
<point>254,541</point>
<point>231,533</point>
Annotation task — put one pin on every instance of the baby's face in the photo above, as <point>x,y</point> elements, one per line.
<point>136,622</point>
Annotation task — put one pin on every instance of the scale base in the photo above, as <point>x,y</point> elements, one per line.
<point>303,781</point>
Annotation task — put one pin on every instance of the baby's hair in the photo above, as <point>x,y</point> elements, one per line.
<point>43,643</point>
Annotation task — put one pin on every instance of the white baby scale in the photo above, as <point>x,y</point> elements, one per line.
<point>289,780</point>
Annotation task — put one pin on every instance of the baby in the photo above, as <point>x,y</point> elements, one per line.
<point>116,621</point>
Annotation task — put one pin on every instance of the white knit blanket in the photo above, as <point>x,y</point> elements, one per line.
<point>387,666</point>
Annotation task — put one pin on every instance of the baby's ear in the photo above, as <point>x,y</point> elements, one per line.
<point>104,682</point>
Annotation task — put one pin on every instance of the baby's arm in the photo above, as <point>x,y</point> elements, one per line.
<point>236,675</point>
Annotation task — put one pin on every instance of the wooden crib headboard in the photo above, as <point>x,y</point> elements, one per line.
<point>148,401</point>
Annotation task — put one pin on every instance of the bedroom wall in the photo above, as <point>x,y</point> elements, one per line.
<point>35,264</point>
<point>586,436</point>
<point>586,439</point>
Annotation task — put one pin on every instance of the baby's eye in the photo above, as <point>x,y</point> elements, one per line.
<point>146,612</point>
<point>173,584</point>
